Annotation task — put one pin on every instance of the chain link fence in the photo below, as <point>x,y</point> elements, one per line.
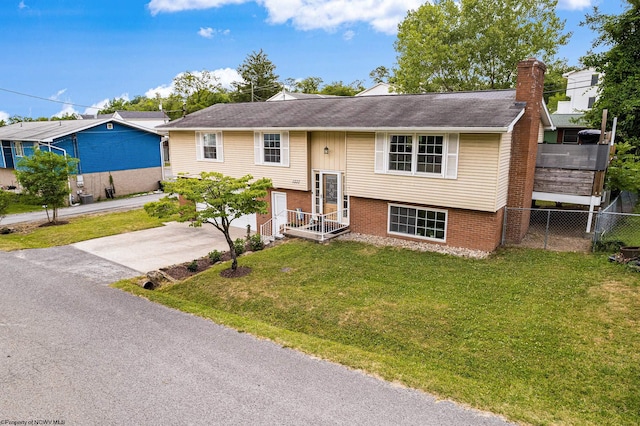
<point>574,230</point>
<point>617,225</point>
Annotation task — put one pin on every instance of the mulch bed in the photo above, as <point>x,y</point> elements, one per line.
<point>182,271</point>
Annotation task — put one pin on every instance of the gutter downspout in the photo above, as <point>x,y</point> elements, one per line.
<point>162,139</point>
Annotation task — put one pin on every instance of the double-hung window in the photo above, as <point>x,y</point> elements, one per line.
<point>19,149</point>
<point>417,154</point>
<point>418,222</point>
<point>209,146</point>
<point>271,148</point>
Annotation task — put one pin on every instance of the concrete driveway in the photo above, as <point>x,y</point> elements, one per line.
<point>152,249</point>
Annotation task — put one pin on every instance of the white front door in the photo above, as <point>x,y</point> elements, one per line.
<point>278,211</point>
<point>328,196</point>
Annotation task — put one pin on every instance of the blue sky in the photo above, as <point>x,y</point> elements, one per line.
<point>77,54</point>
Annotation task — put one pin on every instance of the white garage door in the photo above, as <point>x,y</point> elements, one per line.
<point>241,222</point>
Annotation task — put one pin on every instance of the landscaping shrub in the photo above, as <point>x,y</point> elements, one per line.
<point>239,246</point>
<point>193,266</point>
<point>255,242</point>
<point>215,256</point>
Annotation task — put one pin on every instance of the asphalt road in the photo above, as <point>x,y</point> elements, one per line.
<point>73,349</point>
<point>118,204</point>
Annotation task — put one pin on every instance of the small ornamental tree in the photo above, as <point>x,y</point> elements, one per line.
<point>213,198</point>
<point>45,175</point>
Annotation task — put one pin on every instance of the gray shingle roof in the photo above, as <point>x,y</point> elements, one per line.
<point>46,131</point>
<point>454,110</point>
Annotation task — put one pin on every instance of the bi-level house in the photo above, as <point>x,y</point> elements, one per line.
<point>436,167</point>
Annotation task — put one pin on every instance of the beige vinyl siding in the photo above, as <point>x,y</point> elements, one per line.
<point>336,159</point>
<point>239,159</point>
<point>476,188</point>
<point>504,161</point>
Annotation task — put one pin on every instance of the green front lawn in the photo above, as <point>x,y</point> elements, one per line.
<point>77,229</point>
<point>540,337</point>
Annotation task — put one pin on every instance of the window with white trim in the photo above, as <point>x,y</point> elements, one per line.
<point>418,222</point>
<point>19,149</point>
<point>271,148</point>
<point>434,155</point>
<point>209,146</point>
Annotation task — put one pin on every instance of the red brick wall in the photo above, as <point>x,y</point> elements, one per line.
<point>295,199</point>
<point>529,89</point>
<point>465,228</point>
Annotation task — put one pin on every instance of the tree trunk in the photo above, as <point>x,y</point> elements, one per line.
<point>232,250</point>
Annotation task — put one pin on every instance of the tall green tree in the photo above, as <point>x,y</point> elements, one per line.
<point>450,45</point>
<point>213,198</point>
<point>308,85</point>
<point>259,80</point>
<point>380,75</point>
<point>45,175</point>
<point>619,89</point>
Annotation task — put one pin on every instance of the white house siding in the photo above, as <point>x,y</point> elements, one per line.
<point>239,159</point>
<point>480,175</point>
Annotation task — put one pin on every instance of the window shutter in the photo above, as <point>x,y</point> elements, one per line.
<point>284,149</point>
<point>452,156</point>
<point>219,150</point>
<point>257,148</point>
<point>381,141</point>
<point>199,146</point>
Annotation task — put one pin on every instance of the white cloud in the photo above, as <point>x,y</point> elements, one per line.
<point>574,4</point>
<point>66,110</point>
<point>95,107</point>
<point>382,15</point>
<point>348,35</point>
<point>206,32</point>
<point>4,116</point>
<point>57,95</point>
<point>225,77</point>
<point>22,5</point>
<point>210,32</point>
<point>157,6</point>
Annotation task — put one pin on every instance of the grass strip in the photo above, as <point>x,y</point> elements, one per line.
<point>77,229</point>
<point>540,337</point>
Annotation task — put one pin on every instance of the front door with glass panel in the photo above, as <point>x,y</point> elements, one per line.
<point>328,194</point>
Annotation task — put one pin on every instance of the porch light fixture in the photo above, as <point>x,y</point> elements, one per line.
<point>326,150</point>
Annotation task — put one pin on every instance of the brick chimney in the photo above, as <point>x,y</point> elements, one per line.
<point>524,146</point>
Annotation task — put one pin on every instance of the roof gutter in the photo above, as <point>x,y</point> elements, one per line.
<point>499,129</point>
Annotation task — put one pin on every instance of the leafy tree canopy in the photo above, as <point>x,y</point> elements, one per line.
<point>619,89</point>
<point>338,88</point>
<point>45,175</point>
<point>260,82</point>
<point>450,45</point>
<point>213,198</point>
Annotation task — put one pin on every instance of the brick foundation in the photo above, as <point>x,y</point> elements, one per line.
<point>465,228</point>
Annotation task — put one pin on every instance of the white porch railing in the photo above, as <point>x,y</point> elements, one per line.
<point>266,231</point>
<point>315,226</point>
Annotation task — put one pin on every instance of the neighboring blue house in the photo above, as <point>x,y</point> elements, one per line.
<point>110,150</point>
